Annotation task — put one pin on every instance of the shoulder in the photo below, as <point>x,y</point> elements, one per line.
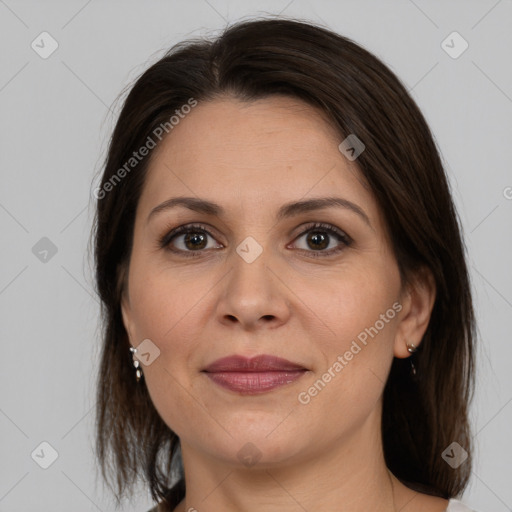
<point>457,506</point>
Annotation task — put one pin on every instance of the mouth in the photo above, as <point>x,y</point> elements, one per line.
<point>255,375</point>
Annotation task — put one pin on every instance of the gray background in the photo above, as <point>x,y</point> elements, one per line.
<point>56,116</point>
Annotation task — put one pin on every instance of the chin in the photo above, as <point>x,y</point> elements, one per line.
<point>260,446</point>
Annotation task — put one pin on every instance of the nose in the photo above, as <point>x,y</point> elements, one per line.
<point>253,295</point>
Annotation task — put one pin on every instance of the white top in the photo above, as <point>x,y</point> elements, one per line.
<point>457,506</point>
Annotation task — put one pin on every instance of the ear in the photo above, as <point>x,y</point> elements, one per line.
<point>417,302</point>
<point>127,317</point>
<point>126,311</point>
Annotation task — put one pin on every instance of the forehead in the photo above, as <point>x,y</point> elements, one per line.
<point>267,151</point>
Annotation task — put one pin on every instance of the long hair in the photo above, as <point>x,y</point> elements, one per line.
<point>359,95</point>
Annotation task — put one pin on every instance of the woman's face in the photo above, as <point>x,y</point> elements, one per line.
<point>255,279</point>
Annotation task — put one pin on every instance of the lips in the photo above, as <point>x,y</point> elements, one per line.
<point>256,375</point>
<point>263,363</point>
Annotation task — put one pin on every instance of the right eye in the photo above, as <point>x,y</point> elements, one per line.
<point>192,238</point>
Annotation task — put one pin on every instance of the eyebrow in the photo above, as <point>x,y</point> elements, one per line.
<point>287,210</point>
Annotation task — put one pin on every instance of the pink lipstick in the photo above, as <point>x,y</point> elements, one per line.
<point>254,375</point>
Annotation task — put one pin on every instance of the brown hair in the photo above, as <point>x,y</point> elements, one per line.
<point>360,95</point>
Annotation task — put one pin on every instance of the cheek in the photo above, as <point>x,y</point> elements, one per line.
<point>164,300</point>
<point>361,312</point>
<point>354,300</point>
<point>356,362</point>
<point>165,310</point>
<point>171,309</point>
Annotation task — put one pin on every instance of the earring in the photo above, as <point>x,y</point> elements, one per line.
<point>136,364</point>
<point>412,349</point>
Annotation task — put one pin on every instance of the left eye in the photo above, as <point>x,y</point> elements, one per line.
<point>319,236</point>
<point>194,238</point>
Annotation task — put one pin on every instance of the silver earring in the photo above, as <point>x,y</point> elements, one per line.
<point>412,349</point>
<point>136,364</point>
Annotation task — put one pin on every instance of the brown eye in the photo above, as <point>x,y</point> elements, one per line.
<point>317,239</point>
<point>320,236</point>
<point>192,240</point>
<point>187,239</point>
<point>195,240</point>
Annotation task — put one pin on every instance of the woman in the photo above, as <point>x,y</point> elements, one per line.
<point>288,322</point>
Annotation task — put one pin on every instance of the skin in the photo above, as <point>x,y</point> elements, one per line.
<point>251,158</point>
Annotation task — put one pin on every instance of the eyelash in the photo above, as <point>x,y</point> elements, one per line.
<point>165,241</point>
